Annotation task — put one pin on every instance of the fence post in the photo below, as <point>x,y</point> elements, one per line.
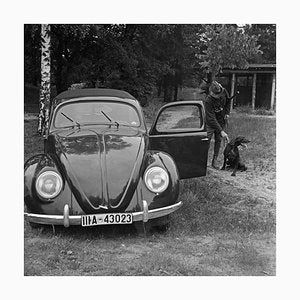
<point>253,91</point>
<point>232,90</point>
<point>273,91</point>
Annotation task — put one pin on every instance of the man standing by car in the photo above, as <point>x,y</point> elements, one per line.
<point>217,109</point>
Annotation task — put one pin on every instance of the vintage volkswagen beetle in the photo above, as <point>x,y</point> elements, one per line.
<point>101,165</point>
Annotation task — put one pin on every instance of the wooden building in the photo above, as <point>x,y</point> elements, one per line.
<point>256,85</point>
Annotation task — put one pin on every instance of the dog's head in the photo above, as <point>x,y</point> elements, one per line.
<point>240,141</point>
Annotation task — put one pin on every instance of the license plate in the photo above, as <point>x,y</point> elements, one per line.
<point>106,219</point>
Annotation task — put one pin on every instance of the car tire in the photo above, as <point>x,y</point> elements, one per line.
<point>35,225</point>
<point>142,228</point>
<point>162,228</point>
<point>161,224</point>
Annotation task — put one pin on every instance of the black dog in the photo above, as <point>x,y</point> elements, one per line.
<point>232,156</point>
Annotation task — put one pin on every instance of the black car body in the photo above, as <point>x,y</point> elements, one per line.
<point>102,166</point>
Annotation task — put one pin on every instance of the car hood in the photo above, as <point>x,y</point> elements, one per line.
<point>102,165</point>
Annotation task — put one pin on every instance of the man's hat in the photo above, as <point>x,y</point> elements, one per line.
<point>215,89</point>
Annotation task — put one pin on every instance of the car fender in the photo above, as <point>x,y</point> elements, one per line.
<point>32,169</point>
<point>170,195</point>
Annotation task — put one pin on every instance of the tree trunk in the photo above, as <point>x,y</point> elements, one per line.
<point>43,121</point>
<point>60,75</point>
<point>212,76</point>
<point>167,88</point>
<point>177,80</point>
<point>175,91</point>
<point>159,87</point>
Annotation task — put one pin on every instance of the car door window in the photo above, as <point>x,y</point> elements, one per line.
<point>180,118</point>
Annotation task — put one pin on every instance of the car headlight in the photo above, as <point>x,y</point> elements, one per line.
<point>156,179</point>
<point>49,184</point>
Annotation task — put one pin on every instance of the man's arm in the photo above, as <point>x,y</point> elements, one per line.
<point>211,119</point>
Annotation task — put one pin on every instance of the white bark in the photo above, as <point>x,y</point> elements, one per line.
<point>45,80</point>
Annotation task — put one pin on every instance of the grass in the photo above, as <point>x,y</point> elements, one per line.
<point>225,226</point>
<point>33,143</point>
<point>209,207</point>
<point>70,254</point>
<point>247,109</point>
<point>262,134</point>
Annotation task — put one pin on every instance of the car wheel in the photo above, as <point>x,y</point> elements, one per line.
<point>142,228</point>
<point>162,228</point>
<point>161,224</point>
<point>35,225</point>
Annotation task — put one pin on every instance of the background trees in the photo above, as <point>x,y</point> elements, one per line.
<point>266,38</point>
<point>145,59</point>
<point>227,46</point>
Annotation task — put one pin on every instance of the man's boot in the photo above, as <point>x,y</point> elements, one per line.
<point>214,162</point>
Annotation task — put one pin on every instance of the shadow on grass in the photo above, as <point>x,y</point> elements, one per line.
<point>94,232</point>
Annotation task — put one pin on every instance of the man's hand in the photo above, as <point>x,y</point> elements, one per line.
<point>226,117</point>
<point>224,135</point>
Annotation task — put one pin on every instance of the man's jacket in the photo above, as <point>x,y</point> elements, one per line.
<point>216,109</point>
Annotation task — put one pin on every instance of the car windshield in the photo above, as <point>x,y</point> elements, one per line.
<point>96,112</point>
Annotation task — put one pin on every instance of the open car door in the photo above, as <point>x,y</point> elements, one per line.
<point>179,130</point>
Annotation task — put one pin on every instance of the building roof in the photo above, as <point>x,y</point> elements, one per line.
<point>263,66</point>
<point>252,68</point>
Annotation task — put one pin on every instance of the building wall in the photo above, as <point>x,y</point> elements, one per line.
<point>244,83</point>
<point>263,90</point>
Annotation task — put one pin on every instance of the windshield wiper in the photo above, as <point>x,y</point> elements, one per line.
<point>75,122</point>
<point>109,119</point>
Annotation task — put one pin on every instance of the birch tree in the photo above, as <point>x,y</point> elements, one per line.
<point>44,101</point>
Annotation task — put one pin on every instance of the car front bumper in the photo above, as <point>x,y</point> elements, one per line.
<point>68,220</point>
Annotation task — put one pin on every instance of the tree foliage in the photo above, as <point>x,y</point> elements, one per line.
<point>139,58</point>
<point>32,54</point>
<point>266,38</point>
<point>227,47</point>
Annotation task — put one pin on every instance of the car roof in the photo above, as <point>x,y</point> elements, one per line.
<point>79,93</point>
